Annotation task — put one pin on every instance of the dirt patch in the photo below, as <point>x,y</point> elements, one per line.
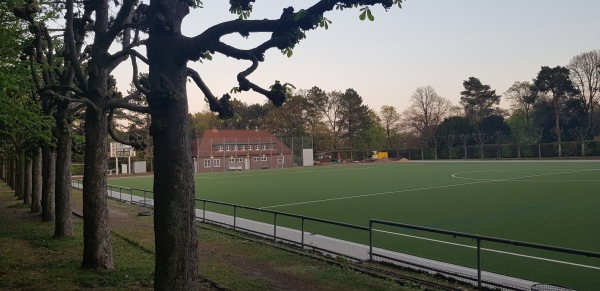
<point>404,160</point>
<point>382,160</point>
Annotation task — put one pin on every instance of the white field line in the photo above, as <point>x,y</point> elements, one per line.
<point>332,169</point>
<point>281,173</point>
<point>374,194</point>
<point>570,171</point>
<point>410,190</point>
<point>490,250</point>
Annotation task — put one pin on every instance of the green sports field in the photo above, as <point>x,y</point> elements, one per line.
<point>553,203</point>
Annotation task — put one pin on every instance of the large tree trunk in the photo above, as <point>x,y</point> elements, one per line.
<point>2,168</point>
<point>49,182</point>
<point>27,183</point>
<point>36,188</point>
<point>97,245</point>
<point>63,225</point>
<point>20,176</point>
<point>13,174</point>
<point>174,214</point>
<point>8,172</point>
<point>557,124</point>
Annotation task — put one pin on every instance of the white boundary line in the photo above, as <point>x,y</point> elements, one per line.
<point>249,174</point>
<point>376,194</point>
<point>490,250</point>
<point>569,171</point>
<point>420,189</point>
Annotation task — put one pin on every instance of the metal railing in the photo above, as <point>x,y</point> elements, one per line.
<point>277,214</point>
<point>127,194</point>
<point>477,238</point>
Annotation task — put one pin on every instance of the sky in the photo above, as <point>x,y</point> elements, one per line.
<point>439,43</point>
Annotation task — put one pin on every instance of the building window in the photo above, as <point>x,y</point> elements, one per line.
<point>243,147</point>
<point>217,163</point>
<point>220,148</point>
<point>280,160</point>
<point>228,148</point>
<point>235,147</point>
<point>240,160</point>
<point>257,147</point>
<point>256,159</point>
<point>264,146</point>
<point>264,159</point>
<point>271,146</point>
<point>231,160</point>
<point>207,163</point>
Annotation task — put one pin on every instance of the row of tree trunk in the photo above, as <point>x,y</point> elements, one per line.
<point>40,181</point>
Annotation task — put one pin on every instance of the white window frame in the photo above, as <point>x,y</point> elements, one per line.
<point>228,148</point>
<point>263,159</point>
<point>231,160</point>
<point>216,163</point>
<point>243,147</point>
<point>270,146</point>
<point>220,148</point>
<point>264,147</point>
<point>240,160</point>
<point>256,159</point>
<point>235,147</point>
<point>207,163</point>
<point>280,160</point>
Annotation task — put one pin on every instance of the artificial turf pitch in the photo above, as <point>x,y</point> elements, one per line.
<point>546,202</point>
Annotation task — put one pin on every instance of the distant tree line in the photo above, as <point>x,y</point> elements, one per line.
<point>559,105</point>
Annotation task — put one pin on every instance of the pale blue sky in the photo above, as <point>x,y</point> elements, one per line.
<point>427,42</point>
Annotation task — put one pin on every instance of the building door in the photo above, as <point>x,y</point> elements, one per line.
<point>247,164</point>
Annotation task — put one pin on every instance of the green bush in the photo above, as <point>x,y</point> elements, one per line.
<point>76,169</point>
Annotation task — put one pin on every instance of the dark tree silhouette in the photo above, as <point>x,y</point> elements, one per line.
<point>168,54</point>
<point>556,82</point>
<point>478,100</point>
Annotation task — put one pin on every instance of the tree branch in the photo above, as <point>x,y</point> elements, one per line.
<point>124,103</point>
<point>133,141</point>
<point>85,101</point>
<point>76,108</point>
<point>123,18</point>
<point>127,52</point>
<point>72,49</point>
<point>285,26</point>
<point>221,106</point>
<point>136,80</point>
<point>63,88</point>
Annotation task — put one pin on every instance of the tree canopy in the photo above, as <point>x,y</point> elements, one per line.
<point>478,100</point>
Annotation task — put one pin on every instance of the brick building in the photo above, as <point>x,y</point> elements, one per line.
<point>229,150</point>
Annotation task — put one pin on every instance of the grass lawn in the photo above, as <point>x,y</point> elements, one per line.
<point>554,203</point>
<point>31,259</point>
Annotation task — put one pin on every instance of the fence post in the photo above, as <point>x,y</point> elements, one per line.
<point>479,264</point>
<point>203,210</point>
<point>275,227</point>
<point>302,240</point>
<point>370,240</point>
<point>234,215</point>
